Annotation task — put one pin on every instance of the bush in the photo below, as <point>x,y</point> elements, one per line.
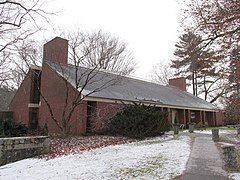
<point>10,128</point>
<point>139,121</point>
<point>231,117</point>
<point>39,131</point>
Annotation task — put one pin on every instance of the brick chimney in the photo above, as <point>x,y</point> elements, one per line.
<point>179,83</point>
<point>56,51</point>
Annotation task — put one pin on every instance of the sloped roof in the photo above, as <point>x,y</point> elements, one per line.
<point>124,88</point>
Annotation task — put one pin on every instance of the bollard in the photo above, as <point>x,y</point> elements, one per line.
<point>215,135</point>
<point>176,128</point>
<point>229,155</point>
<point>191,127</point>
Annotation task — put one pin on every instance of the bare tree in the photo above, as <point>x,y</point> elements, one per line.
<point>86,82</point>
<point>161,73</point>
<point>97,62</point>
<point>101,50</point>
<point>217,20</point>
<point>18,21</point>
<point>4,70</point>
<point>96,51</point>
<point>232,110</point>
<point>28,53</point>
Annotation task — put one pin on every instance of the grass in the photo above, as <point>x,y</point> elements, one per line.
<point>223,128</point>
<point>150,168</point>
<point>229,138</point>
<point>238,159</point>
<point>237,168</point>
<point>217,127</point>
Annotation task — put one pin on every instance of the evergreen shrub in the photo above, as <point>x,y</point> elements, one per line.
<point>10,128</point>
<point>139,121</point>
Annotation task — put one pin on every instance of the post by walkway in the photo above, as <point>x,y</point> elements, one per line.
<point>205,161</point>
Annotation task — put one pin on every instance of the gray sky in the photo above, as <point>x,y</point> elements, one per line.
<point>149,27</point>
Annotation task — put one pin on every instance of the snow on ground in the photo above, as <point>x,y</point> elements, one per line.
<point>234,176</point>
<point>155,158</point>
<point>220,131</point>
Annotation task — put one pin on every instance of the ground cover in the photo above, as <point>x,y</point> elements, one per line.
<point>153,158</point>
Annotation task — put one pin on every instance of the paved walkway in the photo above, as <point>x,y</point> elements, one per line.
<point>205,162</point>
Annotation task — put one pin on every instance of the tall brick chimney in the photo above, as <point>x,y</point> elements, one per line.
<point>179,83</point>
<point>56,51</point>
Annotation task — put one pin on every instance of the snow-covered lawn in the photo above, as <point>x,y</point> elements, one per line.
<point>221,131</point>
<point>157,158</point>
<point>234,176</point>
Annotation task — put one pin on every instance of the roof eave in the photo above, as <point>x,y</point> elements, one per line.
<point>106,100</point>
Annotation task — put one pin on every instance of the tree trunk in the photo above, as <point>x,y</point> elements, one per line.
<point>193,80</point>
<point>196,84</point>
<point>64,125</point>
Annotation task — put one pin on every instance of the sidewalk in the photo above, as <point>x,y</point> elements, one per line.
<point>204,161</point>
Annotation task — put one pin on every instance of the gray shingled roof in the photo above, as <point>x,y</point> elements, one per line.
<point>130,89</point>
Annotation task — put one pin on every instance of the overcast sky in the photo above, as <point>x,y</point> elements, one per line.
<point>149,27</point>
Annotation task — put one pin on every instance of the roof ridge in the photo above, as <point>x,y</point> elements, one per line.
<point>113,73</point>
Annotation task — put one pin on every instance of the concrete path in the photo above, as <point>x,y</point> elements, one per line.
<point>205,162</point>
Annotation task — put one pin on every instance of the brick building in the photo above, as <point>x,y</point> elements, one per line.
<point>103,95</point>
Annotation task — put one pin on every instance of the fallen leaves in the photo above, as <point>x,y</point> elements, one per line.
<point>74,145</point>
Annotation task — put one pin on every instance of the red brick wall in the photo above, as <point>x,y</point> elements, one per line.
<point>220,118</point>
<point>19,103</point>
<point>179,83</point>
<point>53,88</point>
<point>56,50</point>
<point>209,118</point>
